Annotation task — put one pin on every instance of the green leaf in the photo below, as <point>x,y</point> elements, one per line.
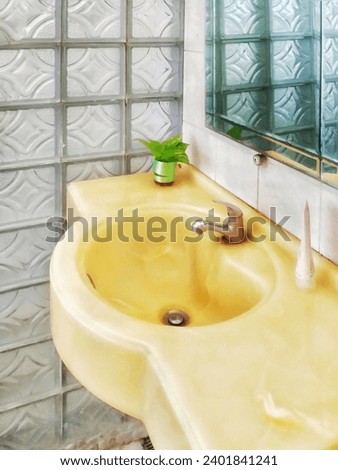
<point>152,145</point>
<point>183,159</point>
<point>173,140</point>
<point>171,150</point>
<point>235,132</point>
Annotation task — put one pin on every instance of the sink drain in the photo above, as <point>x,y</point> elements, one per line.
<point>175,318</point>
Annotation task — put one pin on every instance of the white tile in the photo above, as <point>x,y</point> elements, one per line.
<point>287,190</point>
<point>194,89</point>
<point>202,149</point>
<point>329,223</point>
<point>195,25</point>
<point>236,171</point>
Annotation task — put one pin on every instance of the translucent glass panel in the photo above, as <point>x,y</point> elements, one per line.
<point>330,16</point>
<point>78,405</point>
<point>153,120</point>
<point>79,81</point>
<point>28,372</point>
<point>155,70</point>
<point>95,20</point>
<point>94,71</point>
<point>330,110</point>
<point>24,256</point>
<point>156,18</point>
<point>91,170</point>
<point>293,60</point>
<point>94,129</point>
<point>293,107</point>
<point>27,74</point>
<point>245,64</point>
<point>27,194</point>
<point>19,21</point>
<point>24,315</point>
<point>248,108</point>
<point>33,426</point>
<point>292,16</point>
<point>27,134</point>
<point>242,17</point>
<point>331,55</point>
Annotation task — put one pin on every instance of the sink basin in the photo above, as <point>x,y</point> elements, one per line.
<point>175,269</point>
<point>256,366</point>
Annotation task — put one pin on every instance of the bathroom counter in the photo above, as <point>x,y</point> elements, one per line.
<point>266,379</point>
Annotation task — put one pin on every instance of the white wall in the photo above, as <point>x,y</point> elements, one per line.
<point>230,164</point>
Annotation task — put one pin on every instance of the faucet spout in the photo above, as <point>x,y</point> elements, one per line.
<point>231,230</point>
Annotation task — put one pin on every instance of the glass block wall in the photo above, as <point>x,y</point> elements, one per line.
<point>79,82</point>
<point>267,75</point>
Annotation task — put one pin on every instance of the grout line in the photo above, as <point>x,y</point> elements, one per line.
<point>24,284</point>
<point>23,344</point>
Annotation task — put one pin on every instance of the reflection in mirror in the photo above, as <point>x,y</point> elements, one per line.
<point>330,79</point>
<point>272,68</point>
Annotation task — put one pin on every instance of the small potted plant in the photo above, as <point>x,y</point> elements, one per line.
<point>166,156</point>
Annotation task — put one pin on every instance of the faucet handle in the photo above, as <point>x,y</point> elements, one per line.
<point>233,211</point>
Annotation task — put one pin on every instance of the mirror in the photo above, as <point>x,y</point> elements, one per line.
<point>272,79</point>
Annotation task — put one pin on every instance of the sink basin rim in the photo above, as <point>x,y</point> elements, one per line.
<point>65,257</point>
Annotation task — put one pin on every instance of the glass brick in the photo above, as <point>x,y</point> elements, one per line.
<point>95,20</point>
<point>292,60</point>
<point>247,108</point>
<point>27,194</point>
<point>330,56</point>
<point>209,70</point>
<point>24,255</point>
<point>35,426</point>
<point>138,164</point>
<point>28,372</point>
<point>94,129</point>
<point>242,17</point>
<point>156,120</point>
<point>93,71</point>
<point>24,314</point>
<point>330,16</point>
<point>156,18</point>
<point>155,70</point>
<point>78,405</point>
<point>27,74</point>
<point>27,134</point>
<point>209,20</point>
<point>91,170</point>
<point>330,142</point>
<point>245,63</point>
<point>330,101</point>
<point>291,16</point>
<point>293,107</point>
<point>19,21</point>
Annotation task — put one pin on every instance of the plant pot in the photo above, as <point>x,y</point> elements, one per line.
<point>164,172</point>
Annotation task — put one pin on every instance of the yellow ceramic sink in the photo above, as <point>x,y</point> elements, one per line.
<point>175,269</point>
<point>255,366</point>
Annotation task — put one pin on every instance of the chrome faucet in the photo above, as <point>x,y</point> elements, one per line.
<point>232,228</point>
